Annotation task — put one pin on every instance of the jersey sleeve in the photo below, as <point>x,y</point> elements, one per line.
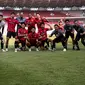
<point>19,32</point>
<point>45,20</point>
<point>16,21</point>
<point>46,29</point>
<point>6,19</point>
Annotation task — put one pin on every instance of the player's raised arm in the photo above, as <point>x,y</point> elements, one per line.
<point>49,26</point>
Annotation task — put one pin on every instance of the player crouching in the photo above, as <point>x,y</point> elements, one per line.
<point>21,38</point>
<point>32,40</point>
<point>59,37</point>
<point>43,36</point>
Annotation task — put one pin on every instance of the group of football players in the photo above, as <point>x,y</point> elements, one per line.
<point>30,37</point>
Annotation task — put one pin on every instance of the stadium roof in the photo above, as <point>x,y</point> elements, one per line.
<point>42,3</point>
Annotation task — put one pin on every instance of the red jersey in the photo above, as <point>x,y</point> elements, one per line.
<point>39,21</point>
<point>11,24</point>
<point>61,27</point>
<point>22,31</point>
<point>33,36</point>
<point>43,33</point>
<point>31,24</point>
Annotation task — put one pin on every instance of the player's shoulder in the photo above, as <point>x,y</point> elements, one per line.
<point>46,29</point>
<point>15,19</point>
<point>8,18</point>
<point>19,29</point>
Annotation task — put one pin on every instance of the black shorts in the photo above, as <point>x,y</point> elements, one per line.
<point>67,34</point>
<point>44,41</point>
<point>11,34</point>
<point>23,43</point>
<point>1,38</point>
<point>78,37</point>
<point>34,44</point>
<point>59,39</point>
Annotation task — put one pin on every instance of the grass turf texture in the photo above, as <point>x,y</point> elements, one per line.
<point>43,68</point>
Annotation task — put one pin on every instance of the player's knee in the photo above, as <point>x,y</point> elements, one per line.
<point>37,43</point>
<point>28,43</point>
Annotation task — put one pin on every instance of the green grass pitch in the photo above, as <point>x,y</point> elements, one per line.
<point>43,68</point>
